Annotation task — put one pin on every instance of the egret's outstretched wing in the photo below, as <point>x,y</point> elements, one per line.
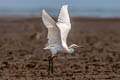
<point>64,24</point>
<point>53,31</point>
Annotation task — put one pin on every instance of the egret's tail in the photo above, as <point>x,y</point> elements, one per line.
<point>48,46</point>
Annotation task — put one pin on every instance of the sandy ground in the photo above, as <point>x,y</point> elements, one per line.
<point>22,56</point>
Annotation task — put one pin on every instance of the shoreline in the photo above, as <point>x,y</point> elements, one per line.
<point>77,18</point>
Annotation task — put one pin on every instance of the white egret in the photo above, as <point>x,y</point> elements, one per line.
<point>57,33</point>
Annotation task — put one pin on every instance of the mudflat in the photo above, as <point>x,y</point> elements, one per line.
<point>22,56</point>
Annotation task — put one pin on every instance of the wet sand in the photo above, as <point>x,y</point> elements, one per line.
<point>22,56</point>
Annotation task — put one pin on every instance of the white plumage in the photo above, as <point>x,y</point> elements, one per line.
<point>58,32</point>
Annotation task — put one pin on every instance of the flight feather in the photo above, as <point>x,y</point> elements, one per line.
<point>53,32</point>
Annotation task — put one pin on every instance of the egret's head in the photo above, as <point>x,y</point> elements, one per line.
<point>74,46</point>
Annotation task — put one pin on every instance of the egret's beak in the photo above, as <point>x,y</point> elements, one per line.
<point>79,46</point>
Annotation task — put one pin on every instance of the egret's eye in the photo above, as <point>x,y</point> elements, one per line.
<point>74,46</point>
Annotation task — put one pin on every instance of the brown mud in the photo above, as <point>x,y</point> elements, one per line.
<point>22,56</point>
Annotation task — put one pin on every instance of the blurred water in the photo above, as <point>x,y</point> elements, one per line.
<point>99,8</point>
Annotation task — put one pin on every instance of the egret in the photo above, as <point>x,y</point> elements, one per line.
<point>57,34</point>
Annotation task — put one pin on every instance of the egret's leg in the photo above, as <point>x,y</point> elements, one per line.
<point>52,64</point>
<point>49,66</point>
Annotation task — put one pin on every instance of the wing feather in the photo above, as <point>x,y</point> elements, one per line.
<point>53,31</point>
<point>64,25</point>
